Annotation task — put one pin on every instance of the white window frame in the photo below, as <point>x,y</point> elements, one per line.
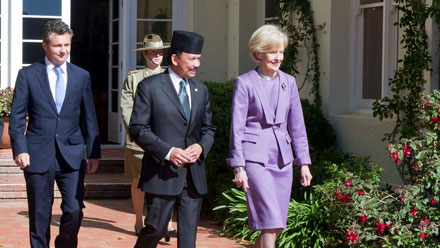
<point>389,51</point>
<point>14,56</point>
<point>5,82</point>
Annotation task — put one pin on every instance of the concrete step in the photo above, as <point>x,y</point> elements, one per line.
<point>105,185</point>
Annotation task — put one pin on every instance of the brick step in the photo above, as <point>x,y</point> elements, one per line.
<point>106,185</point>
<point>106,165</point>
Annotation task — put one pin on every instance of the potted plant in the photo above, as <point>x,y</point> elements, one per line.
<point>5,110</point>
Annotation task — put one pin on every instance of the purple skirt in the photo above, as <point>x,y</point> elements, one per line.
<point>269,191</point>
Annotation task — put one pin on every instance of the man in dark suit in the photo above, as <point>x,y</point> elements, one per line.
<point>172,122</point>
<point>55,95</point>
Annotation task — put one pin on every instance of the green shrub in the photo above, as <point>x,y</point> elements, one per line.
<point>316,221</point>
<point>6,101</point>
<point>218,173</point>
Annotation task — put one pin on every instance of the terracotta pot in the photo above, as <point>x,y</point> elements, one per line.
<point>6,141</point>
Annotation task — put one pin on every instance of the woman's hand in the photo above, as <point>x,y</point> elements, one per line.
<point>306,176</point>
<point>241,180</point>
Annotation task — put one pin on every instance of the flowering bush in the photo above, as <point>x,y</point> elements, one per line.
<point>6,101</point>
<point>365,215</point>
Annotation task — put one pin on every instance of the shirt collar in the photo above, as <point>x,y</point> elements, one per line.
<point>176,78</point>
<point>50,65</point>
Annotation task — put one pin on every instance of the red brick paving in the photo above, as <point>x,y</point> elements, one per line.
<point>106,223</point>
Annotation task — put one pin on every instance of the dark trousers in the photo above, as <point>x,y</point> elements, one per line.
<point>40,194</point>
<point>188,206</point>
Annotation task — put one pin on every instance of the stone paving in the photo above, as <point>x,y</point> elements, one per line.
<point>107,223</point>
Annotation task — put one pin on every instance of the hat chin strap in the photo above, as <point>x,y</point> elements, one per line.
<point>152,62</point>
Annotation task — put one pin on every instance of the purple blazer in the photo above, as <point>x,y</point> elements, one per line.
<point>252,124</point>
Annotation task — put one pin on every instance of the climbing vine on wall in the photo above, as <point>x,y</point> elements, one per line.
<point>408,83</point>
<point>302,33</point>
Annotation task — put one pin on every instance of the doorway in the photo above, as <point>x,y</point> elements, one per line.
<point>90,24</point>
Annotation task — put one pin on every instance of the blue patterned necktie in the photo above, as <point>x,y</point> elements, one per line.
<point>184,100</point>
<point>60,89</point>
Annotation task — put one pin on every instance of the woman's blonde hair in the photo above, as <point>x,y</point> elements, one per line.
<point>265,38</point>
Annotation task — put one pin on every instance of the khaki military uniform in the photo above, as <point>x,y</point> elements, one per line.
<point>133,153</point>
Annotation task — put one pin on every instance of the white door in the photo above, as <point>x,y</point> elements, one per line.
<point>130,20</point>
<point>114,77</point>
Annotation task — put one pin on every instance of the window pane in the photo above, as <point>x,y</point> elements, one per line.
<point>114,78</point>
<point>115,9</point>
<point>42,7</point>
<point>114,101</point>
<point>32,27</point>
<point>372,54</point>
<point>154,9</point>
<point>163,29</point>
<point>370,1</point>
<point>140,60</point>
<point>115,30</point>
<point>270,8</point>
<point>32,52</point>
<point>115,54</point>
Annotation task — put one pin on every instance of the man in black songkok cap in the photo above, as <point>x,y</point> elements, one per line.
<point>172,122</point>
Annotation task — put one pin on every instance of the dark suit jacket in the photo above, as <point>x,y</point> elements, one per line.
<point>48,129</point>
<point>158,123</point>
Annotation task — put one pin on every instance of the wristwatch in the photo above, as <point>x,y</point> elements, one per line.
<point>238,169</point>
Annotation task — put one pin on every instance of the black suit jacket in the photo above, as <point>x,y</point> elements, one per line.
<point>48,129</point>
<point>158,123</point>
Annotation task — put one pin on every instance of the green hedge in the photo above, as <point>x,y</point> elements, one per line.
<point>220,177</point>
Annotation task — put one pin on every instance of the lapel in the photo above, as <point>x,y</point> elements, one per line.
<point>258,86</point>
<point>170,91</point>
<point>43,80</point>
<point>283,98</point>
<point>195,94</point>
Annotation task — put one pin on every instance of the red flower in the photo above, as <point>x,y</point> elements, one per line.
<point>395,156</point>
<point>363,218</point>
<point>380,228</point>
<point>407,152</point>
<point>433,201</point>
<point>434,119</point>
<point>429,101</point>
<point>360,192</point>
<point>352,237</point>
<point>423,235</point>
<point>348,184</point>
<point>413,211</point>
<point>344,198</point>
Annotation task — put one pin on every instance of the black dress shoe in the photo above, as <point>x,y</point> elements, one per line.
<point>167,237</point>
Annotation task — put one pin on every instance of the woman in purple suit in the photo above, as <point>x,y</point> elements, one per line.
<point>267,122</point>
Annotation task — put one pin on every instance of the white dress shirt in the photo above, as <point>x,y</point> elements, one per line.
<point>52,75</point>
<point>176,82</point>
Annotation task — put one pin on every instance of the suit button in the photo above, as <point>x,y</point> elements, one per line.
<point>57,135</point>
<point>185,123</point>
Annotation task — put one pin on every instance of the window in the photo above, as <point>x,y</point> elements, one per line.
<point>153,17</point>
<point>375,53</point>
<point>270,15</point>
<point>35,15</point>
